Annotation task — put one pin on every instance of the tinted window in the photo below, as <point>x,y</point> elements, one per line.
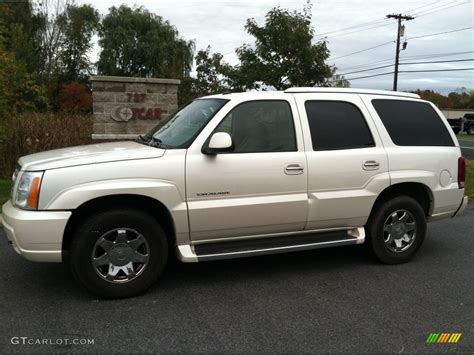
<point>337,125</point>
<point>260,126</point>
<point>411,123</point>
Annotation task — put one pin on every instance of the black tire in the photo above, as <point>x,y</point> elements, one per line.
<point>94,228</point>
<point>383,214</point>
<point>470,130</point>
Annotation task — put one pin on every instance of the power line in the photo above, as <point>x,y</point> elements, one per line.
<point>409,71</point>
<point>383,44</point>
<point>441,33</point>
<point>366,24</point>
<point>369,76</point>
<point>442,9</point>
<point>439,5</point>
<point>378,23</point>
<point>415,57</point>
<point>367,64</point>
<point>360,30</point>
<point>434,70</point>
<point>352,27</point>
<point>412,63</point>
<point>435,55</point>
<point>362,50</point>
<point>420,7</point>
<point>439,61</point>
<point>360,71</point>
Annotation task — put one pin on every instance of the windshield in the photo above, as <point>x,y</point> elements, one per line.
<point>181,129</point>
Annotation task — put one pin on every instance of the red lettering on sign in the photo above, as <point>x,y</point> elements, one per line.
<point>136,97</point>
<point>143,113</point>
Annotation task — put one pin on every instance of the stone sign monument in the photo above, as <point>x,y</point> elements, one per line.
<point>126,107</point>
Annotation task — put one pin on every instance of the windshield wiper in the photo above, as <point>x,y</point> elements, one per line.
<point>141,139</point>
<point>152,142</point>
<point>155,142</point>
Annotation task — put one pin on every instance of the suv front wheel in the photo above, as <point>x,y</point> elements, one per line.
<point>396,229</point>
<point>118,253</point>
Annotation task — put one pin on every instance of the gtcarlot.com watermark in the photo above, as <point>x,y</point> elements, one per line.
<point>66,341</point>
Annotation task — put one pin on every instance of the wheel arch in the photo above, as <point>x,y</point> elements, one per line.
<point>140,202</point>
<point>418,191</point>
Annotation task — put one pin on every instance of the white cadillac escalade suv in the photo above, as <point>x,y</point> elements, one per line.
<point>241,175</point>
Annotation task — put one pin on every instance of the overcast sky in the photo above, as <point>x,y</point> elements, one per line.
<point>220,24</point>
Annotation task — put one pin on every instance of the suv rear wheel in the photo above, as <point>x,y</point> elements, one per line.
<point>396,229</point>
<point>470,130</point>
<point>119,253</point>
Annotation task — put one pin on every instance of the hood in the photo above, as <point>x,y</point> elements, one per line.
<point>88,154</point>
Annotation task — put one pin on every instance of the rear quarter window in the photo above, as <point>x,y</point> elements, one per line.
<point>411,123</point>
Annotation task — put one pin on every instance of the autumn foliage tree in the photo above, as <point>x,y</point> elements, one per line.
<point>459,99</point>
<point>74,97</point>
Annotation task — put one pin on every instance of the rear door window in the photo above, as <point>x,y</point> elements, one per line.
<point>412,123</point>
<point>337,125</point>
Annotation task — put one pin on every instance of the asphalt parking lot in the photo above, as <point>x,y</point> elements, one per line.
<point>327,300</point>
<point>467,148</point>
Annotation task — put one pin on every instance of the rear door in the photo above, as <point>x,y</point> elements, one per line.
<point>347,163</point>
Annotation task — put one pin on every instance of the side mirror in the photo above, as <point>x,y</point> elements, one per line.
<point>219,142</point>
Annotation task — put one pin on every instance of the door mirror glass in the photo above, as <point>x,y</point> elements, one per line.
<point>219,142</point>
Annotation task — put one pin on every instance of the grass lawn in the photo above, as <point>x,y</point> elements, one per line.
<point>470,179</point>
<point>5,186</point>
<point>465,137</point>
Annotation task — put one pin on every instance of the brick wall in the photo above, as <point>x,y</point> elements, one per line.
<point>126,107</point>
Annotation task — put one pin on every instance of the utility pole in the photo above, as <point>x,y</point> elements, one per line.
<point>399,17</point>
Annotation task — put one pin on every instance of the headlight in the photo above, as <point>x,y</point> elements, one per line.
<point>27,191</point>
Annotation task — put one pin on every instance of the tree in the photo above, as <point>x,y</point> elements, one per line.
<point>136,42</point>
<point>338,81</point>
<point>210,77</point>
<point>19,90</point>
<point>77,24</point>
<point>19,30</point>
<point>74,97</point>
<point>436,98</point>
<point>51,38</point>
<point>284,54</point>
<point>458,99</point>
<point>211,73</point>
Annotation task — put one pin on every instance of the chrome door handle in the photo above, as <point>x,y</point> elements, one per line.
<point>294,169</point>
<point>370,165</point>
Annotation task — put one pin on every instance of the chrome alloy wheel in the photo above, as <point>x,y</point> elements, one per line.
<point>120,255</point>
<point>399,231</point>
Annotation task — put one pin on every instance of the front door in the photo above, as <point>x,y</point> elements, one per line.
<point>259,187</point>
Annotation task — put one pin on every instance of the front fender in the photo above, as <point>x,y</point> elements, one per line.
<point>73,197</point>
<point>163,191</point>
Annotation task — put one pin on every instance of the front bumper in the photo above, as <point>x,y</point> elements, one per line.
<point>36,235</point>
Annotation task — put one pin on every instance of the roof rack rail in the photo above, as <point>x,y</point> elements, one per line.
<point>350,91</point>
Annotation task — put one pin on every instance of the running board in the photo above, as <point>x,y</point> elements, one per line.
<point>268,245</point>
